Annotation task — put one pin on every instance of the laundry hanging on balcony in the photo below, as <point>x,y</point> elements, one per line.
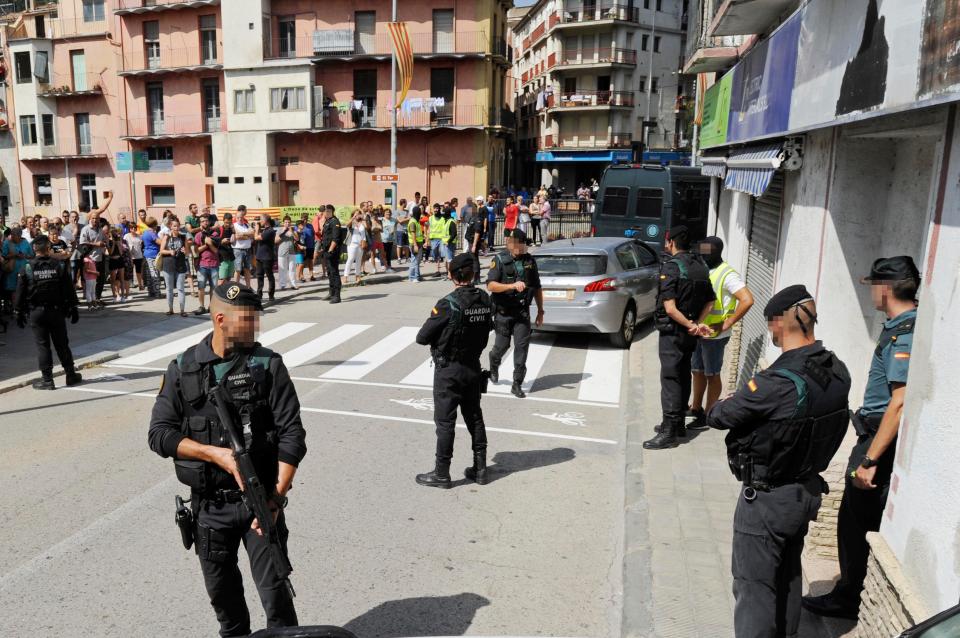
<point>404,51</point>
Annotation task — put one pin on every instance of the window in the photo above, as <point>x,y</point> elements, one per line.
<point>41,67</point>
<point>157,153</point>
<point>211,104</point>
<point>237,180</point>
<point>88,189</point>
<point>366,31</point>
<point>569,85</point>
<point>151,43</point>
<point>40,25</point>
<point>443,31</point>
<point>223,180</point>
<point>288,99</point>
<point>646,4</point>
<point>162,196</point>
<point>257,179</point>
<point>22,61</point>
<point>582,265</point>
<point>46,129</point>
<point>93,11</point>
<point>289,161</point>
<point>659,5</point>
<point>243,101</point>
<point>155,107</point>
<point>42,188</point>
<point>645,254</point>
<point>615,200</point>
<point>441,85</point>
<point>208,160</point>
<point>626,257</point>
<point>287,26</point>
<point>649,203</point>
<point>28,130</point>
<point>84,134</point>
<point>208,39</point>
<point>656,44</point>
<point>273,177</point>
<point>644,39</point>
<point>654,84</point>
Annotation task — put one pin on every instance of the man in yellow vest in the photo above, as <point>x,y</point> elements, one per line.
<point>733,300</point>
<point>437,234</point>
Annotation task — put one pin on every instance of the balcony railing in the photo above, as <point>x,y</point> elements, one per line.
<point>379,117</point>
<point>158,5</point>
<point>600,140</point>
<point>160,58</point>
<point>70,85</point>
<point>581,99</point>
<point>602,11</point>
<point>607,55</point>
<point>173,125</point>
<point>347,42</point>
<point>90,147</point>
<point>545,142</point>
<point>56,28</point>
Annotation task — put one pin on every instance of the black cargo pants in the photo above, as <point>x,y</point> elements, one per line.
<point>333,272</point>
<point>48,324</point>
<point>457,385</point>
<point>221,527</point>
<point>675,351</point>
<point>768,537</point>
<point>517,327</point>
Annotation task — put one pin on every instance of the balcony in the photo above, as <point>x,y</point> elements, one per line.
<point>154,60</point>
<point>57,29</point>
<point>412,117</point>
<point>598,57</point>
<point>70,85</point>
<point>602,13</point>
<point>126,7</point>
<point>596,142</point>
<point>169,126</point>
<point>91,148</point>
<point>707,54</point>
<point>346,45</point>
<point>589,100</point>
<point>749,17</point>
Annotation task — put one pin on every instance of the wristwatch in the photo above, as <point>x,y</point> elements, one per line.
<point>867,462</point>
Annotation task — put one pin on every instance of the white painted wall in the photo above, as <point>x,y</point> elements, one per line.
<point>243,35</point>
<point>733,227</point>
<point>246,154</point>
<point>922,522</point>
<point>263,79</point>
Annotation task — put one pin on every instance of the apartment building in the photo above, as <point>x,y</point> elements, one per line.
<point>272,103</point>
<point>597,79</point>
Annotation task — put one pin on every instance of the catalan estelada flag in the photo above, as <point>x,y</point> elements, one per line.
<point>404,50</point>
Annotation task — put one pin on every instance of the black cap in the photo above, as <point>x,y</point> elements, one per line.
<point>678,231</point>
<point>519,235</point>
<point>786,299</point>
<point>892,269</point>
<point>238,295</point>
<point>463,260</point>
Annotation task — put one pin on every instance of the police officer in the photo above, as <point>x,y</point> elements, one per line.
<point>894,282</point>
<point>514,282</point>
<point>684,300</point>
<point>331,236</point>
<point>784,426</point>
<point>185,426</point>
<point>45,296</point>
<point>457,332</point>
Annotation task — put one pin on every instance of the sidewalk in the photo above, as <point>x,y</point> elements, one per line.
<point>679,523</point>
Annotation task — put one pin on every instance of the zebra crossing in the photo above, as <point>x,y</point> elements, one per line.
<point>570,369</point>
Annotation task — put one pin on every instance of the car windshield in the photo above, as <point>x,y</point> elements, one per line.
<point>572,265</point>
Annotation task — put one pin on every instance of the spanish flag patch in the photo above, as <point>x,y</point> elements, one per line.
<point>663,276</point>
<point>435,311</point>
<point>752,384</point>
<point>901,355</point>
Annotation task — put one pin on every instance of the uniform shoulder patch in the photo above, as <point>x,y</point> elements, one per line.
<point>752,385</point>
<point>901,355</point>
<point>435,311</point>
<point>663,276</point>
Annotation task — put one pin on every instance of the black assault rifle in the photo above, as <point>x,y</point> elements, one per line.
<point>255,495</point>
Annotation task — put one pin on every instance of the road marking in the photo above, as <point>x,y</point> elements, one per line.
<point>567,418</point>
<point>602,371</point>
<point>279,333</point>
<point>536,357</point>
<point>164,350</point>
<point>373,357</point>
<point>312,349</point>
<point>400,419</point>
<point>424,405</point>
<point>422,376</point>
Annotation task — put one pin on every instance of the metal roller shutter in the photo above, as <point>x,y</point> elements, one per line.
<point>761,261</point>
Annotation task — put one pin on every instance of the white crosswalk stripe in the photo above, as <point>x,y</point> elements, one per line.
<point>373,357</point>
<point>312,349</point>
<point>280,333</point>
<point>602,371</point>
<point>536,357</point>
<point>163,351</point>
<point>423,375</point>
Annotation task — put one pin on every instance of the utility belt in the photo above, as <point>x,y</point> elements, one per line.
<point>866,425</point>
<point>514,312</point>
<point>442,360</point>
<point>755,480</point>
<point>219,496</point>
<point>46,306</point>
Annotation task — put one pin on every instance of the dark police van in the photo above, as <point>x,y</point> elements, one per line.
<point>649,199</point>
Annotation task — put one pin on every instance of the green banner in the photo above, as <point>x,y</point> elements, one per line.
<point>716,113</point>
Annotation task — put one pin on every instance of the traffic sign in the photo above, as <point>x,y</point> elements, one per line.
<point>385,178</point>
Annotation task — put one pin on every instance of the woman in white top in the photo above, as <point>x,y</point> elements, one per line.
<point>357,244</point>
<point>134,243</point>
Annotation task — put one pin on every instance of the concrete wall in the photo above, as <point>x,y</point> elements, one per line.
<point>248,155</point>
<point>264,79</point>
<point>922,521</point>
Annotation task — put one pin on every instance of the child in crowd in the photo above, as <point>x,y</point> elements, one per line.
<point>90,282</point>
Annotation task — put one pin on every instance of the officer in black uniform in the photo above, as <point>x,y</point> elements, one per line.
<point>514,282</point>
<point>784,426</point>
<point>45,297</point>
<point>185,426</point>
<point>684,300</point>
<point>457,332</point>
<point>331,238</point>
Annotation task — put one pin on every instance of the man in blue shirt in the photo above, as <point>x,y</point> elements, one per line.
<point>893,287</point>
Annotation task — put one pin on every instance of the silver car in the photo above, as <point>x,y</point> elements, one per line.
<point>600,285</point>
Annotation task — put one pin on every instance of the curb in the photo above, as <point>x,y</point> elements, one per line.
<point>9,385</point>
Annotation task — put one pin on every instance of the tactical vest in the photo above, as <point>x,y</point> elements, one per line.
<point>511,271</point>
<point>248,382</point>
<point>467,332</point>
<point>43,282</point>
<point>796,449</point>
<point>692,294</point>
<point>721,311</point>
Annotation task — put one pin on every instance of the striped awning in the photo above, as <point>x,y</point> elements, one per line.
<point>750,170</point>
<point>713,165</point>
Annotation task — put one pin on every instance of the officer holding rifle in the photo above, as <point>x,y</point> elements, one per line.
<point>229,416</point>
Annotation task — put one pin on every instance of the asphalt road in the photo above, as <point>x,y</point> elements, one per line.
<point>90,547</point>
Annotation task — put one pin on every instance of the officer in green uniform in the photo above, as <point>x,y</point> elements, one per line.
<point>684,300</point>
<point>185,426</point>
<point>783,426</point>
<point>45,297</point>
<point>894,282</point>
<point>331,237</point>
<point>514,283</point>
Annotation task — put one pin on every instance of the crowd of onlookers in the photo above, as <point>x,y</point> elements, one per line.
<point>171,257</point>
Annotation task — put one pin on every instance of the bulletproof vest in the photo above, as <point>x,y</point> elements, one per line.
<point>694,289</point>
<point>889,335</point>
<point>468,330</point>
<point>43,282</point>
<point>795,449</point>
<point>511,271</point>
<point>248,383</point>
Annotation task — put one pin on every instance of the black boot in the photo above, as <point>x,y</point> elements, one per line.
<point>46,383</point>
<point>494,373</point>
<point>477,473</point>
<point>335,299</point>
<point>699,419</point>
<point>517,390</point>
<point>73,378</point>
<point>439,477</point>
<point>681,430</point>
<point>665,438</point>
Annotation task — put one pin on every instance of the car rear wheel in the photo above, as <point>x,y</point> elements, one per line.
<point>624,337</point>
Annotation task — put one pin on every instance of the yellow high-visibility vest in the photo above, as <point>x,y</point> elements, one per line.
<point>438,228</point>
<point>721,311</point>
